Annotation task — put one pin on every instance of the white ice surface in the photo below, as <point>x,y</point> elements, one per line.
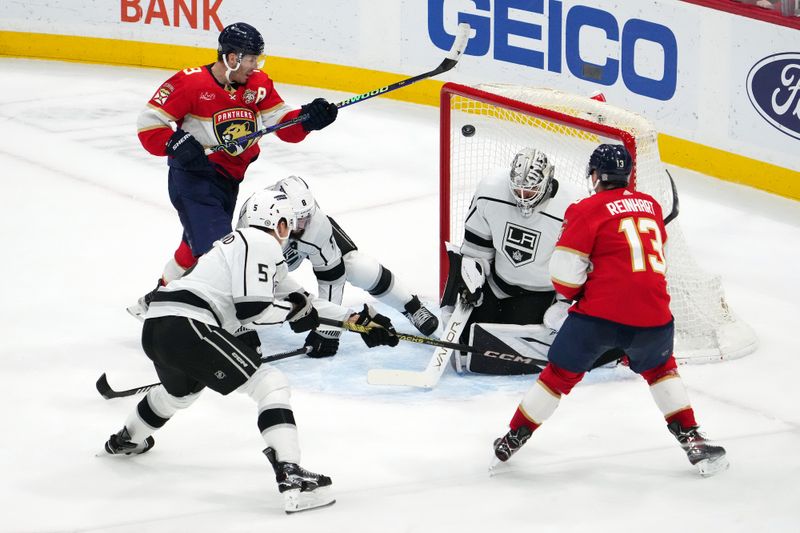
<point>87,226</point>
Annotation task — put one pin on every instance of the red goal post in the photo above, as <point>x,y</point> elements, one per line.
<point>505,118</point>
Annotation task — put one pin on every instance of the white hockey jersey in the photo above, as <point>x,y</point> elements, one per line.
<point>243,279</point>
<point>516,249</point>
<point>318,245</point>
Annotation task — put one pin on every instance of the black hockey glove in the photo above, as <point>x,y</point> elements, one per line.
<point>381,329</point>
<point>249,337</point>
<point>303,316</point>
<point>323,343</point>
<point>320,112</point>
<point>187,151</point>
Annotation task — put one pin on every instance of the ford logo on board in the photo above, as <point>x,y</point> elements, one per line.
<point>773,85</point>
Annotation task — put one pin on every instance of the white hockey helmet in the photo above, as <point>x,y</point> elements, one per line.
<point>265,209</point>
<point>300,195</point>
<point>530,177</point>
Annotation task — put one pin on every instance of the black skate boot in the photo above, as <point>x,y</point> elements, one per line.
<point>302,490</point>
<point>141,306</point>
<point>512,441</point>
<point>419,315</point>
<point>120,444</point>
<point>708,459</point>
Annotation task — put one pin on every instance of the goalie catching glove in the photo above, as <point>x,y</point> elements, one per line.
<point>381,329</point>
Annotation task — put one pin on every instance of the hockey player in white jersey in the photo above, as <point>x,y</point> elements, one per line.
<point>336,259</point>
<point>511,229</point>
<point>187,333</point>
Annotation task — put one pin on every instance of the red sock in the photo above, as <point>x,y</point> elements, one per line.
<point>519,419</point>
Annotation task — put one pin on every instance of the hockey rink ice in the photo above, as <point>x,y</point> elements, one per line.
<point>87,226</point>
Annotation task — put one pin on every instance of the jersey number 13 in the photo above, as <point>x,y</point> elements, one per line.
<point>636,229</point>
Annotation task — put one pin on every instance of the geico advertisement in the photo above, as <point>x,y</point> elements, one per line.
<point>699,74</point>
<point>598,46</point>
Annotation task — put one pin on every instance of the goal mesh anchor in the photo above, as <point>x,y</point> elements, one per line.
<point>568,128</point>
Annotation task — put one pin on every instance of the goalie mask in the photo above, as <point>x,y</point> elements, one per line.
<point>531,174</point>
<point>265,209</point>
<point>302,200</point>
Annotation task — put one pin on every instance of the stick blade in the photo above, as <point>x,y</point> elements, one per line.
<point>401,378</point>
<point>460,42</point>
<point>103,387</point>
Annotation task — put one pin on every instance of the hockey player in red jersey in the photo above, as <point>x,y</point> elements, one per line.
<point>610,258</point>
<point>215,105</point>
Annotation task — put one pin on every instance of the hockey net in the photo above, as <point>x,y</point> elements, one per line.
<point>568,128</point>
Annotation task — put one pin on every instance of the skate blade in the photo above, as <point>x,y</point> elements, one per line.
<point>711,467</point>
<point>297,501</point>
<point>496,466</point>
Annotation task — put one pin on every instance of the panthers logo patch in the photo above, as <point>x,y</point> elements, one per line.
<point>520,244</point>
<point>163,93</point>
<point>233,124</point>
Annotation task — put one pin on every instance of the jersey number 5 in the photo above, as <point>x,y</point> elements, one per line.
<point>634,229</point>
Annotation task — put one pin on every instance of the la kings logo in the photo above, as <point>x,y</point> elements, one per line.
<point>520,244</point>
<point>291,255</point>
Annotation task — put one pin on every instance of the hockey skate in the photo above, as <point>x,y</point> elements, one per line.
<point>302,490</point>
<point>708,459</point>
<point>141,306</point>
<point>419,315</point>
<point>120,444</point>
<point>508,444</point>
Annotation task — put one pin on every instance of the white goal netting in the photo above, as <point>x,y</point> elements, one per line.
<point>568,128</point>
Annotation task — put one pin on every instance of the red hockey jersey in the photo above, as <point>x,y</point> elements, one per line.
<point>198,104</point>
<point>611,257</point>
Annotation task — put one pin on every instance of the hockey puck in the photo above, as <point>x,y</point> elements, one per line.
<point>467,130</point>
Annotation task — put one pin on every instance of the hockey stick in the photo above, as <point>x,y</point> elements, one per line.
<point>108,393</point>
<point>430,376</point>
<point>675,201</point>
<point>435,368</point>
<point>459,44</point>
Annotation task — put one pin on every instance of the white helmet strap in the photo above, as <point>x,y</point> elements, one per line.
<point>228,68</point>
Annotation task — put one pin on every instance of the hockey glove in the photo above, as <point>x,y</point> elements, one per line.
<point>381,330</point>
<point>323,343</point>
<point>556,314</point>
<point>187,151</point>
<point>249,337</point>
<point>320,112</point>
<point>473,277</point>
<point>303,316</point>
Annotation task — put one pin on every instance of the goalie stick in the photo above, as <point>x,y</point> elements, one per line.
<point>459,44</point>
<point>108,393</point>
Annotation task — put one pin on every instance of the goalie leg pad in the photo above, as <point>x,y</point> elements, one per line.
<point>508,349</point>
<point>454,284</point>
